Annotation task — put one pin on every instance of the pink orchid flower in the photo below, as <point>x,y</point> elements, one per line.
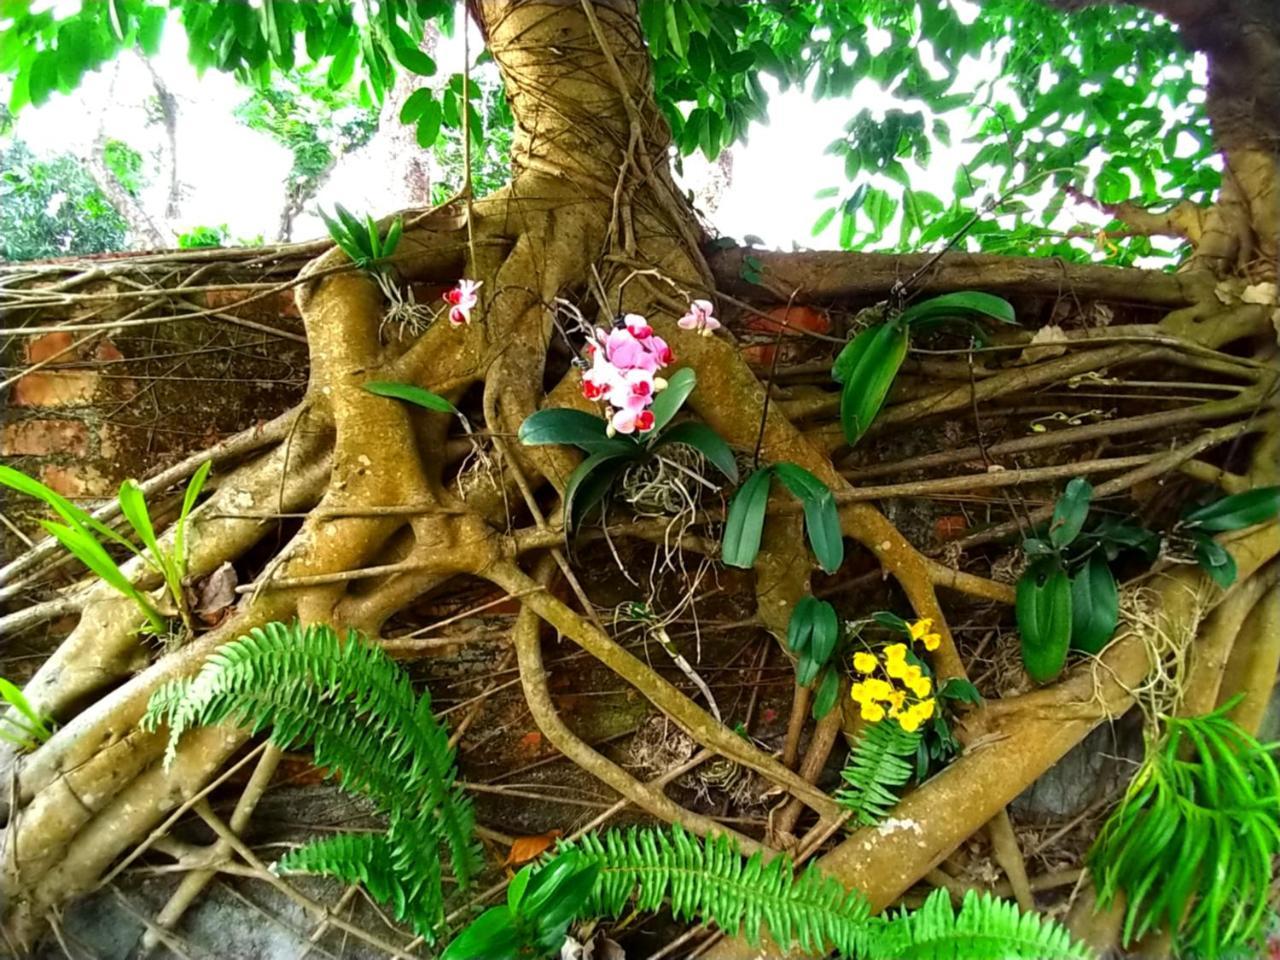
<point>699,318</point>
<point>624,364</point>
<point>462,299</point>
<point>629,421</point>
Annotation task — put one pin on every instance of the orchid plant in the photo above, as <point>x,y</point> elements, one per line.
<point>622,374</point>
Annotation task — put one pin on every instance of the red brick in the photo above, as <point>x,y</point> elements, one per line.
<point>55,388</point>
<point>40,438</point>
<point>50,345</point>
<point>78,481</point>
<point>106,350</point>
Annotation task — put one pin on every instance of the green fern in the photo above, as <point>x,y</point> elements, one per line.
<point>711,880</point>
<point>359,712</point>
<point>882,760</point>
<point>986,928</point>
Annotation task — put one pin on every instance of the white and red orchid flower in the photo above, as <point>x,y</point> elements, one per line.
<point>699,318</point>
<point>462,299</point>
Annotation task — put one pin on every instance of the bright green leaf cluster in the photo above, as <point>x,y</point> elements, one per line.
<point>362,241</point>
<point>1192,844</point>
<point>79,533</point>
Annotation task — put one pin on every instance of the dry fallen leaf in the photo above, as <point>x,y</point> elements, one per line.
<point>530,848</point>
<point>1044,344</point>
<point>214,595</point>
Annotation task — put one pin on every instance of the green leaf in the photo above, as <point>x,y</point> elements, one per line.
<point>826,693</point>
<point>133,504</point>
<point>91,553</point>
<point>824,220</point>
<point>668,403</point>
<point>64,508</point>
<point>1043,608</point>
<point>490,936</point>
<point>409,55</point>
<point>812,633</point>
<point>1070,511</point>
<point>589,484</point>
<point>428,130</point>
<point>1215,560</point>
<point>892,621</point>
<point>707,442</point>
<point>563,426</point>
<point>957,688</point>
<point>968,303</point>
<point>821,517</point>
<point>1095,605</point>
<point>745,521</point>
<point>18,700</point>
<point>415,103</point>
<point>418,396</point>
<point>1237,511</point>
<point>867,367</point>
<point>392,239</point>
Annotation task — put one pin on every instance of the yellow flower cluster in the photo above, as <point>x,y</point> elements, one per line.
<point>903,692</point>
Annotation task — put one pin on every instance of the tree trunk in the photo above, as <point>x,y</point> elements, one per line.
<point>591,197</point>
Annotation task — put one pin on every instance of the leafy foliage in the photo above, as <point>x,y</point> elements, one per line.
<point>125,164</point>
<point>1099,100</point>
<point>51,207</point>
<point>1230,513</point>
<point>1102,99</point>
<point>1192,843</point>
<point>359,712</point>
<point>600,875</point>
<point>879,762</point>
<point>869,363</point>
<point>408,392</point>
<point>314,122</point>
<point>812,634</point>
<point>202,236</point>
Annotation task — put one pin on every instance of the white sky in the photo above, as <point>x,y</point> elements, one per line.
<point>232,175</point>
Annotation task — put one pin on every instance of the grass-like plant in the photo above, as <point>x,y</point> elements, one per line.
<point>1191,845</point>
<point>83,535</point>
<point>25,728</point>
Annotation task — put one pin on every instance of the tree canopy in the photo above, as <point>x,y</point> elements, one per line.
<point>1042,108</point>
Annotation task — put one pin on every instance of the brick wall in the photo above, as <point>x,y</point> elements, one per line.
<point>93,413</point>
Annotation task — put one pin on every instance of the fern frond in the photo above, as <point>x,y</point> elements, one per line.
<point>349,701</point>
<point>377,861</point>
<point>163,703</point>
<point>881,761</point>
<point>986,928</point>
<point>711,880</point>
